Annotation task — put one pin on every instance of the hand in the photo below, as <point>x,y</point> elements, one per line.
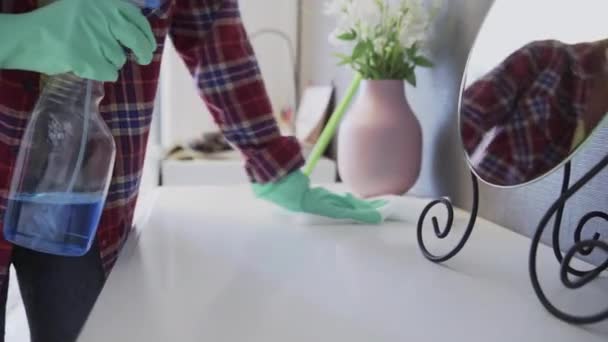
<point>295,194</point>
<point>85,37</point>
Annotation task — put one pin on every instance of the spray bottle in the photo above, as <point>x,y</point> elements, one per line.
<point>63,169</point>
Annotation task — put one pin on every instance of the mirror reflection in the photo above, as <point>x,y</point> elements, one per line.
<point>534,90</point>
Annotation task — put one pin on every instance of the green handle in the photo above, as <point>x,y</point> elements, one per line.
<point>332,124</point>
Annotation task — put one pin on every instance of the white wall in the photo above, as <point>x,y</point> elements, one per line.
<point>589,17</point>
<point>184,115</point>
<point>275,54</point>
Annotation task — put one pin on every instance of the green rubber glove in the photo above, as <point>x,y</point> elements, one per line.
<point>295,194</point>
<point>84,37</point>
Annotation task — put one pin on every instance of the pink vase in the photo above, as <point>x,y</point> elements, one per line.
<point>380,141</point>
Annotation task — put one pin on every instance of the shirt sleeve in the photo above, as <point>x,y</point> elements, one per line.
<point>485,104</point>
<point>210,37</point>
<point>515,124</point>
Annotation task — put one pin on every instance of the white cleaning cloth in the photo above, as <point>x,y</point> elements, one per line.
<point>397,208</point>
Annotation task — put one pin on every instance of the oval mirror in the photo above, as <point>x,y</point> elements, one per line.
<point>535,87</point>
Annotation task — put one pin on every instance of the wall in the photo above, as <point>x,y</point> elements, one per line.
<point>444,172</point>
<point>154,153</point>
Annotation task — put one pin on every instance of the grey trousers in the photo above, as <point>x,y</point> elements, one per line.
<point>58,292</point>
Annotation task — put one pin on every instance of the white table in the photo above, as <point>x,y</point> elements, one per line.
<point>213,264</point>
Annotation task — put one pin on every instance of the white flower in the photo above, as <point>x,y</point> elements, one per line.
<point>365,11</point>
<point>390,25</point>
<point>380,43</point>
<point>362,16</point>
<point>416,21</point>
<point>336,7</point>
<point>343,26</point>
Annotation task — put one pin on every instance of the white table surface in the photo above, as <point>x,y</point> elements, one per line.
<point>214,264</point>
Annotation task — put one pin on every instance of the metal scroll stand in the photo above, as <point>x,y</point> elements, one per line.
<point>583,247</point>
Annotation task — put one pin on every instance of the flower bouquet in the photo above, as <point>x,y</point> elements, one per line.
<point>386,38</point>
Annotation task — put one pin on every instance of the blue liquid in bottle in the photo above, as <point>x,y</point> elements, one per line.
<point>55,223</point>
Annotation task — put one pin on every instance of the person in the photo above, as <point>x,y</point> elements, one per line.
<point>116,42</point>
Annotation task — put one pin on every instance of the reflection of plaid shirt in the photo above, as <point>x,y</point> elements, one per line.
<point>518,121</point>
<point>210,38</point>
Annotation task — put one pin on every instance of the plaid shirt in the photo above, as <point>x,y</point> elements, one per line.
<point>210,37</point>
<point>519,120</point>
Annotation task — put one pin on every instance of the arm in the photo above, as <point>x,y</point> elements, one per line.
<point>489,107</point>
<point>516,102</point>
<point>210,37</point>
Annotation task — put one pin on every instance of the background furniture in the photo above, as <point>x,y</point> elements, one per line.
<point>226,171</point>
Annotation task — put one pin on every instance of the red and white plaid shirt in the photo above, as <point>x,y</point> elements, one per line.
<point>210,37</point>
<point>518,121</point>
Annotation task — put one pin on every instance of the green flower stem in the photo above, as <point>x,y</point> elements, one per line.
<point>332,125</point>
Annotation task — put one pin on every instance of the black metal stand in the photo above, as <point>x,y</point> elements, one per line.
<point>584,247</point>
<point>442,234</point>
